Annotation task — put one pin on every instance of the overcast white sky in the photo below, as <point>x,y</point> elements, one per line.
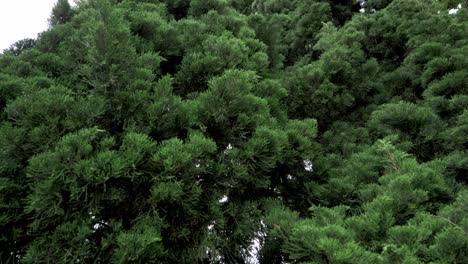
<point>21,19</point>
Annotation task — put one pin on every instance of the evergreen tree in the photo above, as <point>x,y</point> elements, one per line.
<point>61,13</point>
<point>237,131</point>
<point>20,46</point>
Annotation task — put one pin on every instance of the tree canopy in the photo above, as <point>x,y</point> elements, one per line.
<point>237,131</point>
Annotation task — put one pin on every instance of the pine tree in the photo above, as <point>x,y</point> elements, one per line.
<point>237,131</point>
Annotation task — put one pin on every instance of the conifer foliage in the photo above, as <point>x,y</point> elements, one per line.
<point>237,131</point>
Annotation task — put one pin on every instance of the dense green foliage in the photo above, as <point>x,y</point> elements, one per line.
<point>237,131</point>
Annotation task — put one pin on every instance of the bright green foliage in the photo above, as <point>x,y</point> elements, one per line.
<point>216,54</point>
<point>383,223</point>
<point>237,131</point>
<point>228,108</point>
<point>141,244</point>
